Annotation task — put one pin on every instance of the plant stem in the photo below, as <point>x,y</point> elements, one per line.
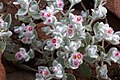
<point>102,60</point>
<point>83,6</point>
<point>69,9</point>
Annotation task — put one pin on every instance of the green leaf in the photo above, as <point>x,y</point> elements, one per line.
<point>32,24</point>
<point>88,38</point>
<point>66,63</point>
<point>88,28</point>
<point>60,60</point>
<point>22,12</point>
<point>36,16</point>
<point>88,59</point>
<point>95,27</point>
<point>2,46</point>
<point>85,70</point>
<point>9,56</point>
<point>70,77</point>
<point>8,19</point>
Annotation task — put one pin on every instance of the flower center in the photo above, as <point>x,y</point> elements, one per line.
<point>70,31</point>
<point>74,56</point>
<point>45,72</point>
<point>76,63</point>
<point>30,28</point>
<point>79,56</point>
<point>78,18</point>
<point>19,56</point>
<point>60,4</point>
<point>54,40</point>
<point>110,31</point>
<point>49,20</point>
<point>117,54</point>
<point>48,15</point>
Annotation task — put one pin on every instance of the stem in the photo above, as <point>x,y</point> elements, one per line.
<point>83,6</point>
<point>69,9</point>
<point>102,60</point>
<point>27,67</point>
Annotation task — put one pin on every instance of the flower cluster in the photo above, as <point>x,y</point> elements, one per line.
<point>28,7</point>
<point>45,74</point>
<point>75,60</point>
<point>103,31</point>
<point>22,55</point>
<point>26,33</point>
<point>74,38</point>
<point>114,55</point>
<point>4,29</point>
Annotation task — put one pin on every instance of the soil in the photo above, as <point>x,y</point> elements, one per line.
<point>16,73</point>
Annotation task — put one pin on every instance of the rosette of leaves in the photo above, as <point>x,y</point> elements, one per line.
<point>5,33</point>
<point>29,9</point>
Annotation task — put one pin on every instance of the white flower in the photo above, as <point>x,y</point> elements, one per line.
<point>22,55</point>
<point>100,12</point>
<point>73,45</point>
<point>50,20</point>
<point>107,32</point>
<point>48,12</point>
<point>43,73</point>
<point>116,38</point>
<point>70,32</point>
<point>26,40</point>
<point>91,51</point>
<point>75,60</point>
<point>54,43</point>
<point>75,19</point>
<point>114,54</point>
<point>57,69</point>
<point>102,72</point>
<point>59,4</point>
<point>74,1</point>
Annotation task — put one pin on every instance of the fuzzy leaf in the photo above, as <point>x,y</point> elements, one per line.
<point>89,60</point>
<point>32,24</point>
<point>95,27</point>
<point>22,12</point>
<point>88,27</point>
<point>60,60</point>
<point>9,56</point>
<point>70,77</point>
<point>2,46</point>
<point>8,19</point>
<point>36,16</point>
<point>85,70</point>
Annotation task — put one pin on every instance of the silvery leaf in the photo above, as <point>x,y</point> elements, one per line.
<point>31,53</point>
<point>22,12</point>
<point>8,19</point>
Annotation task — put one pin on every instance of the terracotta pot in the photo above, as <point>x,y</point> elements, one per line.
<point>114,6</point>
<point>2,69</point>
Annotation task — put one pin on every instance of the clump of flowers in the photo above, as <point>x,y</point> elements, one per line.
<point>22,55</point>
<point>74,42</point>
<point>26,33</point>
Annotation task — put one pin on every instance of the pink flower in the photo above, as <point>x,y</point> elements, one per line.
<point>77,56</point>
<point>22,55</point>
<point>75,60</point>
<point>60,3</point>
<point>70,32</point>
<point>29,28</point>
<point>26,40</point>
<point>75,18</point>
<point>43,71</point>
